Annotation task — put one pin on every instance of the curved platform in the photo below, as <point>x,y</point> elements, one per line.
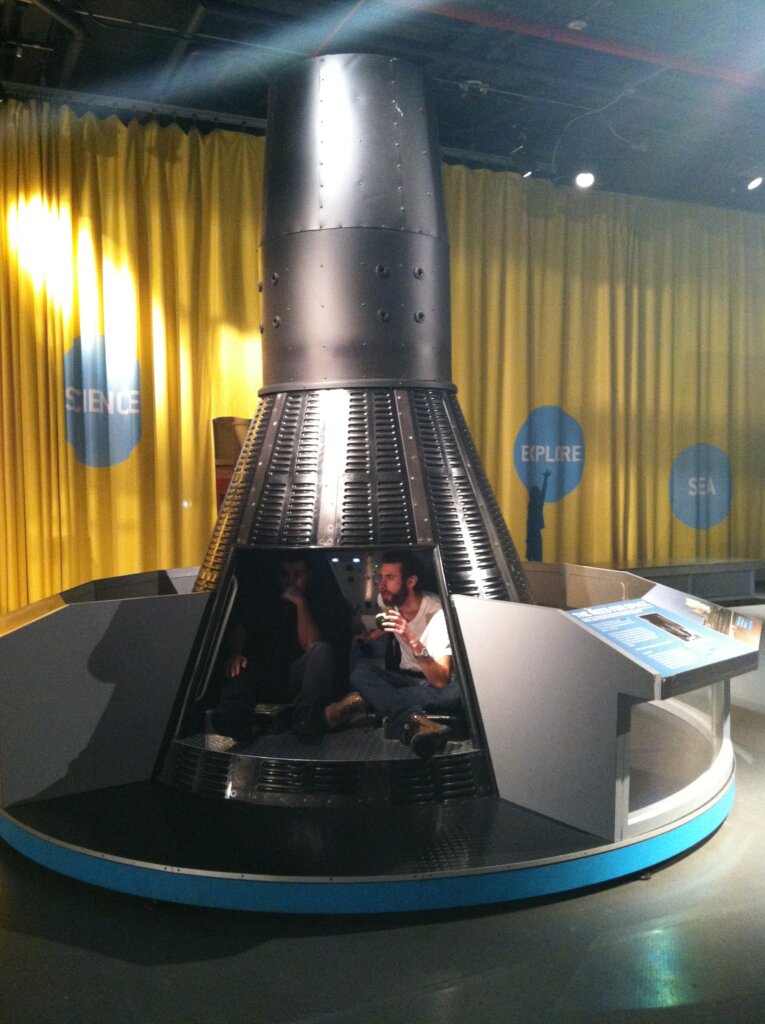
<point>599,770</point>
<point>355,768</point>
<point>154,842</point>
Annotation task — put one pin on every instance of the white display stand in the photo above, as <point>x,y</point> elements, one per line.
<point>574,703</point>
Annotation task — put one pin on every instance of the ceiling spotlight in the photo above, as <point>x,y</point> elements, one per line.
<point>754,183</point>
<point>585,179</point>
<point>527,174</point>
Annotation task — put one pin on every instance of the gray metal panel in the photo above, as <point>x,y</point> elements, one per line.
<point>713,580</point>
<point>351,142</point>
<point>357,304</point>
<point>141,584</point>
<point>355,252</point>
<point>351,467</point>
<point>566,585</point>
<point>422,512</point>
<point>549,700</point>
<point>86,693</point>
<point>723,585</point>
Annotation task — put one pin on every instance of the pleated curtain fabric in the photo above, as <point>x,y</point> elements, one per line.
<point>139,242</point>
<point>131,251</point>
<point>645,322</point>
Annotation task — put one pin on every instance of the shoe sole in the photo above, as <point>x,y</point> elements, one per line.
<point>428,744</point>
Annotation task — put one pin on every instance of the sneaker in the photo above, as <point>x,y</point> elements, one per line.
<point>342,711</point>
<point>215,727</point>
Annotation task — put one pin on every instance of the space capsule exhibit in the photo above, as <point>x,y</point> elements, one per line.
<point>591,738</point>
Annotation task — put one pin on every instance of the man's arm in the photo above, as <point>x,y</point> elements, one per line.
<point>437,670</point>
<point>237,659</point>
<point>307,631</point>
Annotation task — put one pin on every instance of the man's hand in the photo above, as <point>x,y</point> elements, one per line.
<point>235,664</point>
<point>307,630</point>
<point>394,622</point>
<point>294,596</point>
<point>436,670</point>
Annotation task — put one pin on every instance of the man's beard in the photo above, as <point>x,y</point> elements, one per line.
<point>396,599</point>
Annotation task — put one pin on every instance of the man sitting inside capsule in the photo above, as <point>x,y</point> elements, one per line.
<point>289,641</point>
<point>417,677</point>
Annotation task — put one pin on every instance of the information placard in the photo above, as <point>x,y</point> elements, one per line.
<point>663,640</point>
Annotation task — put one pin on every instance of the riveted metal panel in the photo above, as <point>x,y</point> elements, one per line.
<point>351,142</point>
<point>357,304</point>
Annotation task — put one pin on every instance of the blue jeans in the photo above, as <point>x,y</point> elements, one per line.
<point>391,694</point>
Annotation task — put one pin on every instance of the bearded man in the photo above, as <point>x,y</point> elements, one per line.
<point>417,677</point>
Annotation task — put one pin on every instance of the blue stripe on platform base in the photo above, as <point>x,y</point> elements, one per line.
<point>352,897</point>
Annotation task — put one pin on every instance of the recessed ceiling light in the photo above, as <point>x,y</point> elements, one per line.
<point>585,179</point>
<point>577,25</point>
<point>754,183</point>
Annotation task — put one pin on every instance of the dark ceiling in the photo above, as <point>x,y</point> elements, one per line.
<point>657,97</point>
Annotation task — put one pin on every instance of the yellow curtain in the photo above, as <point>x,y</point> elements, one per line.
<point>643,320</point>
<point>141,242</point>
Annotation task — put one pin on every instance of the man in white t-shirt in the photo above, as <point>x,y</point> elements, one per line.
<point>417,677</point>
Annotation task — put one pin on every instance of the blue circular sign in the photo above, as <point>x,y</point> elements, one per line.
<point>549,452</point>
<point>102,402</point>
<point>701,486</point>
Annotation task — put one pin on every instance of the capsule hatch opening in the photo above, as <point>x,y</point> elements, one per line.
<point>258,631</point>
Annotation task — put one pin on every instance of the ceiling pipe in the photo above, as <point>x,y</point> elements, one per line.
<point>567,37</point>
<point>240,12</point>
<point>338,27</point>
<point>59,13</point>
<point>181,47</point>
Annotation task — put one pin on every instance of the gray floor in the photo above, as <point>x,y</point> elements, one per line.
<point>685,944</point>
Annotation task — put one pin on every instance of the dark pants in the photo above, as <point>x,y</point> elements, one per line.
<point>312,682</point>
<point>394,695</point>
<point>311,686</point>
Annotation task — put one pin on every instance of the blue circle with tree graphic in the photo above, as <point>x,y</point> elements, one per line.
<point>549,452</point>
